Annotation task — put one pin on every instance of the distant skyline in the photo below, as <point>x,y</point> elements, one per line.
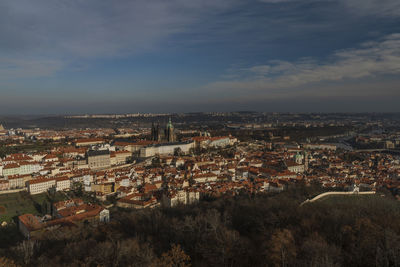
<point>127,56</point>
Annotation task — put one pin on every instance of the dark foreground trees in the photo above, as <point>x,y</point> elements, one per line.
<point>261,230</point>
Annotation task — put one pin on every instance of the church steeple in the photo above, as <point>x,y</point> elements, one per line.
<point>155,132</point>
<point>169,132</point>
<point>169,125</point>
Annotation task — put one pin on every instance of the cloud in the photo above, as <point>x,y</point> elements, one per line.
<point>360,7</point>
<point>70,31</point>
<point>15,68</point>
<point>381,8</point>
<point>276,1</point>
<point>39,38</point>
<point>49,32</point>
<point>94,28</point>
<point>283,78</point>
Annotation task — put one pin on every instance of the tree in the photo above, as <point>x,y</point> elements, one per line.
<point>282,249</point>
<point>4,262</point>
<point>77,188</point>
<point>130,159</point>
<point>175,257</point>
<point>27,250</point>
<point>155,162</point>
<point>316,251</point>
<point>177,151</point>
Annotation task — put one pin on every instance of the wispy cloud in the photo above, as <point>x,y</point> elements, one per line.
<point>276,1</point>
<point>68,30</point>
<point>49,32</point>
<point>96,28</point>
<point>283,78</point>
<point>15,68</point>
<point>360,7</point>
<point>105,28</point>
<point>374,7</point>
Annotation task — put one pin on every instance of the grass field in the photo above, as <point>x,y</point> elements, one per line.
<point>15,204</point>
<point>19,203</point>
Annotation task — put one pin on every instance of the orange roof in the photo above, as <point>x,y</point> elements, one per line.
<point>31,222</point>
<point>17,157</point>
<point>202,175</point>
<point>149,187</point>
<point>11,166</point>
<point>50,156</point>
<point>122,152</point>
<point>62,178</point>
<point>89,140</point>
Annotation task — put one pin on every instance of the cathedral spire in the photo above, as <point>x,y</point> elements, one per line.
<point>169,131</point>
<point>169,125</point>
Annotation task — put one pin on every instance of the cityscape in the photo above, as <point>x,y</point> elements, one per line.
<point>54,181</point>
<point>200,133</point>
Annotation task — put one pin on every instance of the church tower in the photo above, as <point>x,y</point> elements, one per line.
<point>169,132</point>
<point>305,160</point>
<point>298,158</point>
<point>155,132</point>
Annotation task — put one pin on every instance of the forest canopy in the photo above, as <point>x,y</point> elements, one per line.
<point>245,230</point>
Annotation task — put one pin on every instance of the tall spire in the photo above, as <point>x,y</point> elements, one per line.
<point>169,132</point>
<point>169,125</point>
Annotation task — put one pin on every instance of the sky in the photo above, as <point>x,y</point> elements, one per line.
<point>104,56</point>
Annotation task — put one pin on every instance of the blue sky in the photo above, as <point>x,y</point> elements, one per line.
<point>103,56</point>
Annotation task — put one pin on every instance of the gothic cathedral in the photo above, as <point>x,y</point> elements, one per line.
<point>168,135</point>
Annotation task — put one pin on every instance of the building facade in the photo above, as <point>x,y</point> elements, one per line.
<point>165,149</point>
<point>40,185</point>
<point>98,159</point>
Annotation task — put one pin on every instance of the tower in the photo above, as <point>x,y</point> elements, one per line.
<point>155,132</point>
<point>305,160</point>
<point>169,132</point>
<point>298,158</point>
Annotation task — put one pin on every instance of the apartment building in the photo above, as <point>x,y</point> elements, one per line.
<point>98,159</point>
<point>40,185</point>
<point>63,183</point>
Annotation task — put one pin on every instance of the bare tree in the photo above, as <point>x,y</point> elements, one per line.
<point>175,257</point>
